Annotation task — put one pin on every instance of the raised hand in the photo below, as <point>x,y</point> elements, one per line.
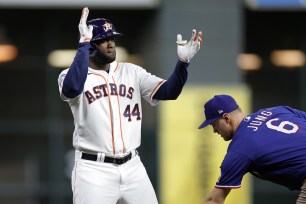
<point>185,50</point>
<point>85,31</point>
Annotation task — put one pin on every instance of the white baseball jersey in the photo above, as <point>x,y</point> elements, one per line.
<point>108,113</point>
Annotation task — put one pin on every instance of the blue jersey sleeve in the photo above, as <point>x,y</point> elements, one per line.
<point>173,87</point>
<point>74,81</point>
<point>233,168</point>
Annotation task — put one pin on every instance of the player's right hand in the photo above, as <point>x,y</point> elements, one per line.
<point>185,50</point>
<point>85,31</point>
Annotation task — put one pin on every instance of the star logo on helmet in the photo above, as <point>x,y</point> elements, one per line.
<point>107,26</point>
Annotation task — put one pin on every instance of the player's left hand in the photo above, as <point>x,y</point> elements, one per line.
<point>185,50</point>
<point>85,31</point>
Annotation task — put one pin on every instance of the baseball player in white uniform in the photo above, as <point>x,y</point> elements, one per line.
<point>105,99</point>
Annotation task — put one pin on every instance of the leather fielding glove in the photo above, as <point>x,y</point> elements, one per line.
<point>85,31</point>
<point>186,50</point>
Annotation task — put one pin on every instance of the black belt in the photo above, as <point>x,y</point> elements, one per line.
<point>120,160</point>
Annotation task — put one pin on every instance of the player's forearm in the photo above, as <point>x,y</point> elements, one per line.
<point>217,196</point>
<point>74,81</point>
<point>212,202</point>
<point>173,87</point>
<point>212,199</point>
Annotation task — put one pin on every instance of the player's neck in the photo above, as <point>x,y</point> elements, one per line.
<point>238,120</point>
<point>104,67</point>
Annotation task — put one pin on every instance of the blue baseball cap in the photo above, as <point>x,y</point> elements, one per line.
<point>216,107</point>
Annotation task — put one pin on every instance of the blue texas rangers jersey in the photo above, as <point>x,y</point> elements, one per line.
<point>271,145</point>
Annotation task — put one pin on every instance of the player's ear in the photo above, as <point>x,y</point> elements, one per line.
<point>226,117</point>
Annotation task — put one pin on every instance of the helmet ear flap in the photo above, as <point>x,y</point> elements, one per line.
<point>93,49</point>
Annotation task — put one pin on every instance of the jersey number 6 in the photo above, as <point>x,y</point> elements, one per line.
<point>285,126</point>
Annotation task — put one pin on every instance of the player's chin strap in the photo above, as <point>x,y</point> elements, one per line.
<point>186,50</point>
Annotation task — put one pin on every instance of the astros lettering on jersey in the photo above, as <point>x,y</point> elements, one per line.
<point>112,99</point>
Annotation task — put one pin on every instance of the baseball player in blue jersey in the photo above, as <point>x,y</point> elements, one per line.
<point>105,99</point>
<point>270,144</point>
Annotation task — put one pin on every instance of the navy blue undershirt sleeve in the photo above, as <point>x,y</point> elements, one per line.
<point>173,87</point>
<point>74,81</point>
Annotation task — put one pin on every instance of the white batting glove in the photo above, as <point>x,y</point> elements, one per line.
<point>185,50</point>
<point>85,31</point>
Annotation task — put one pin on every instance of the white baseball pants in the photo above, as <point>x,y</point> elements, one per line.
<point>104,183</point>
